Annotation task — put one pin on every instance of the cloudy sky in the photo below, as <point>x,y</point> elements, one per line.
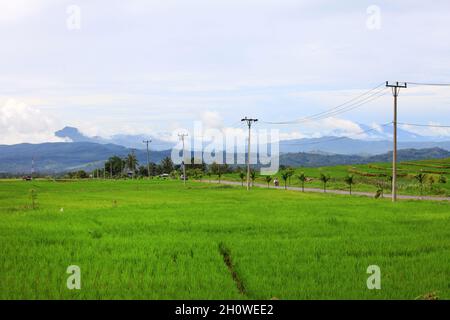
<point>157,65</point>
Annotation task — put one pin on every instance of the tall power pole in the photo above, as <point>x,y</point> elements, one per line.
<point>395,91</point>
<point>249,123</point>
<point>182,135</point>
<point>148,156</point>
<point>32,168</point>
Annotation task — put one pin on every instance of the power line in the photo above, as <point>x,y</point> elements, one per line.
<point>430,84</point>
<point>424,125</point>
<point>347,109</point>
<point>367,100</point>
<point>339,138</point>
<point>351,104</point>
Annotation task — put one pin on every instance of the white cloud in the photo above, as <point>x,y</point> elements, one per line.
<point>21,123</point>
<point>234,57</point>
<point>12,11</point>
<point>292,135</point>
<point>212,120</point>
<point>429,131</point>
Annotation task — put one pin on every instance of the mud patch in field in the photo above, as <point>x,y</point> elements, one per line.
<point>227,259</point>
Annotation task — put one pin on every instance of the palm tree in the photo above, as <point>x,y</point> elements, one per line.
<point>253,177</point>
<point>431,181</point>
<point>219,174</point>
<point>325,178</point>
<point>302,179</point>
<point>268,179</point>
<point>389,180</point>
<point>421,179</point>
<point>380,189</point>
<point>242,176</point>
<point>285,177</point>
<point>350,181</point>
<point>131,162</point>
<point>290,172</point>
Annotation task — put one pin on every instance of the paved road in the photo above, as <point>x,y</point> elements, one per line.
<point>366,194</point>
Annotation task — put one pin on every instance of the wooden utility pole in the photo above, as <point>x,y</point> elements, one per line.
<point>32,168</point>
<point>249,123</point>
<point>182,135</point>
<point>148,157</point>
<point>395,91</point>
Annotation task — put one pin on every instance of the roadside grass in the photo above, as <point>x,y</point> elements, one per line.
<point>368,177</point>
<point>160,240</point>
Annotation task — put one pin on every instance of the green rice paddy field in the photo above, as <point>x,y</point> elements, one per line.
<point>368,177</point>
<point>160,240</point>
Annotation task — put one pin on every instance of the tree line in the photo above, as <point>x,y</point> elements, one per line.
<point>129,167</point>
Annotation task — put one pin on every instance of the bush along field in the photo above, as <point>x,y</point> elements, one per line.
<point>155,239</point>
<point>426,178</point>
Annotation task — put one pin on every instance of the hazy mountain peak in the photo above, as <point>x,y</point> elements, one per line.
<point>72,133</point>
<point>125,140</point>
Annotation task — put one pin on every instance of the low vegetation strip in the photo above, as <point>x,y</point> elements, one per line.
<point>226,254</point>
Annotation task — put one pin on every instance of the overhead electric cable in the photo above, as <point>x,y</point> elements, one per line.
<point>429,84</point>
<point>344,107</point>
<point>339,138</point>
<point>424,125</point>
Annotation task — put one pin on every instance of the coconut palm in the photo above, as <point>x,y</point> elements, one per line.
<point>302,178</point>
<point>131,162</point>
<point>421,177</point>
<point>390,180</point>
<point>268,179</point>
<point>242,176</point>
<point>350,181</point>
<point>381,185</point>
<point>290,172</point>
<point>325,178</point>
<point>431,181</point>
<point>253,177</point>
<point>285,177</point>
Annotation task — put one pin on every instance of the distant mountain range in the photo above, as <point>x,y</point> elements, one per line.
<point>84,152</point>
<point>377,142</point>
<point>129,141</point>
<point>347,146</point>
<point>65,156</point>
<point>321,160</point>
<point>50,158</point>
